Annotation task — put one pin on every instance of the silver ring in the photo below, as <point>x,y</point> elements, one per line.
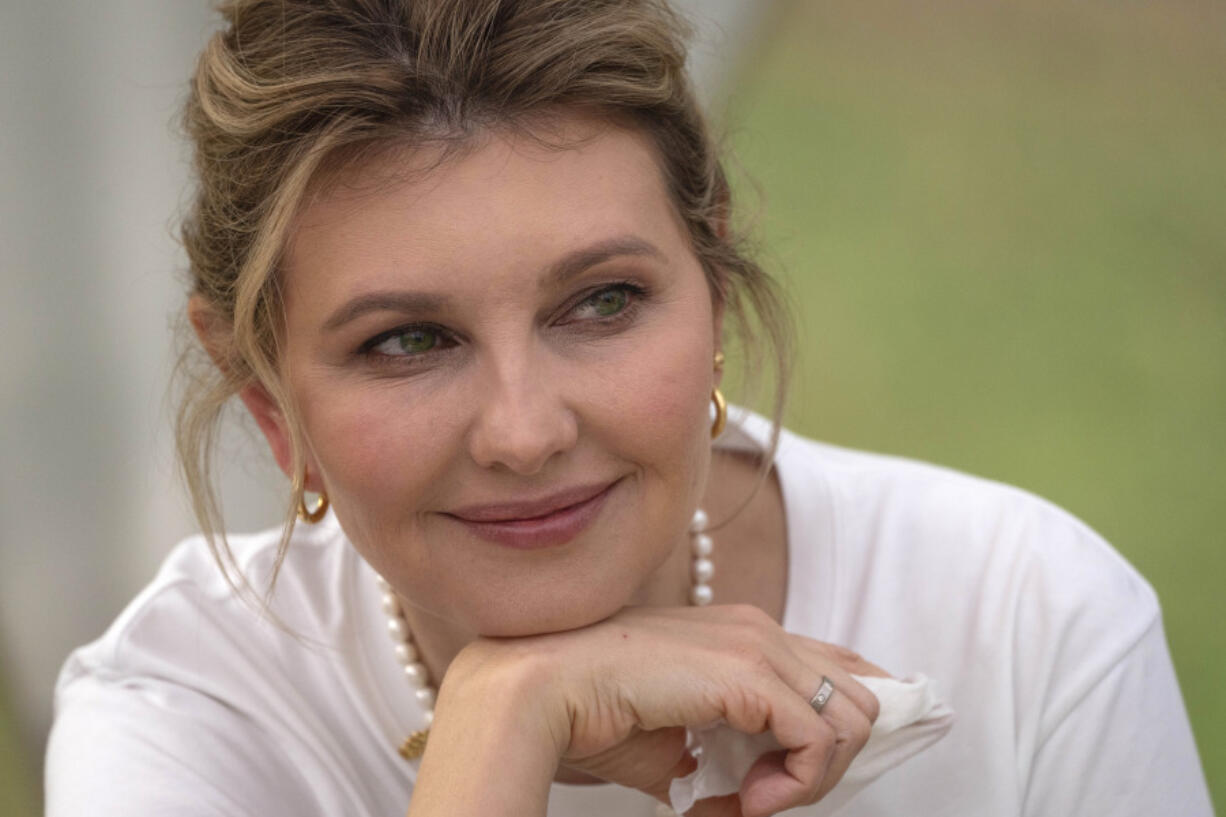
<point>822,696</point>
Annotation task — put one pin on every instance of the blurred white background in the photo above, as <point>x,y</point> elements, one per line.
<point>93,175</point>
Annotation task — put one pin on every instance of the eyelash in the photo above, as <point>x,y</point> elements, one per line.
<point>448,339</point>
<point>636,295</point>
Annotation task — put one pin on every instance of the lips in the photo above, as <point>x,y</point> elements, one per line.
<point>548,521</point>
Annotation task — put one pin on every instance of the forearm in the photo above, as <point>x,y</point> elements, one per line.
<point>491,750</point>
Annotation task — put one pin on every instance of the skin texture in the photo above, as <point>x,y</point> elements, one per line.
<point>535,393</point>
<point>500,325</point>
<point>612,697</point>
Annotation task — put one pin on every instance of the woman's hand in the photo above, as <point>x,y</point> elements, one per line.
<point>618,695</point>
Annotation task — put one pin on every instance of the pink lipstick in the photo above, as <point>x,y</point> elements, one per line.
<point>538,523</point>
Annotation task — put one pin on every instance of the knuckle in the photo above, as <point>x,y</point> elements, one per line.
<point>853,735</point>
<point>826,739</point>
<point>846,656</point>
<point>746,710</point>
<point>749,615</point>
<point>872,708</point>
<point>746,655</point>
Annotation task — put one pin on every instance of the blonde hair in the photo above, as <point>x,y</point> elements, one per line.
<point>291,89</point>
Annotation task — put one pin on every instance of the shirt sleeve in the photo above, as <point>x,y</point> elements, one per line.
<point>1125,748</point>
<point>147,747</point>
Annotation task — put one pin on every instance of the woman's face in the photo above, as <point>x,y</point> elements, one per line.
<point>503,365</point>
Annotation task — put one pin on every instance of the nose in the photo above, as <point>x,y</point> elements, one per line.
<point>523,418</point>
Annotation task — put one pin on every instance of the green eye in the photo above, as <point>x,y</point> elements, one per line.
<point>417,341</point>
<point>609,302</point>
<point>416,344</point>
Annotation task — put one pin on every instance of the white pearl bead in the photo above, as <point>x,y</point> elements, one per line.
<point>417,674</point>
<point>425,697</point>
<point>405,653</point>
<point>702,545</point>
<point>701,595</point>
<point>704,569</point>
<point>391,604</point>
<point>428,716</point>
<point>699,523</point>
<point>398,629</point>
<point>383,584</point>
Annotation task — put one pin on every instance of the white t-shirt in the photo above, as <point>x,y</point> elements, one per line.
<point>1046,643</point>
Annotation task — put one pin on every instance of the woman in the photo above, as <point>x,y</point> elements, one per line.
<point>468,266</point>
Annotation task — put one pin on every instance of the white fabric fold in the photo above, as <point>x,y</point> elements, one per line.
<point>911,719</point>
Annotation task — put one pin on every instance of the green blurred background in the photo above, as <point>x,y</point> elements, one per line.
<point>1003,228</point>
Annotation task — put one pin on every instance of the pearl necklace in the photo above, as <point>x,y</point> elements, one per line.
<point>415,672</point>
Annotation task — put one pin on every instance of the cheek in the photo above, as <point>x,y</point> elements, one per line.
<point>372,447</point>
<point>666,403</point>
<point>663,396</point>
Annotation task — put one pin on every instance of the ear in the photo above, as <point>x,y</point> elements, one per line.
<point>271,420</point>
<point>264,409</point>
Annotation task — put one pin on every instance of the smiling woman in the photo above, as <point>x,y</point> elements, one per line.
<point>520,330</point>
<point>468,267</point>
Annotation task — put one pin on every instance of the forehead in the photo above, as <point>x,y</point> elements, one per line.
<point>502,201</point>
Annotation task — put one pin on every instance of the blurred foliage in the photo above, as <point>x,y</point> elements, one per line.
<point>17,784</point>
<point>1004,228</point>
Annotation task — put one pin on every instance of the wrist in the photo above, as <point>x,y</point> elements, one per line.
<point>512,681</point>
<point>492,713</point>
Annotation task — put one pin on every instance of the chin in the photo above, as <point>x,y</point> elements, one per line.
<point>540,616</point>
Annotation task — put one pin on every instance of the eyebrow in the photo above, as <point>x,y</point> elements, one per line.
<point>576,262</point>
<point>562,270</point>
<point>390,301</point>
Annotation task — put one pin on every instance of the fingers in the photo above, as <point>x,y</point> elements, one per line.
<point>805,772</point>
<point>820,747</point>
<point>728,805</point>
<point>849,660</point>
<point>646,760</point>
<point>851,727</point>
<point>732,663</point>
<point>818,657</point>
<point>810,742</point>
<point>806,775</point>
<point>852,708</point>
<point>766,788</point>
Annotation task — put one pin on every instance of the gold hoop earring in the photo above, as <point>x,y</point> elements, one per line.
<point>721,413</point>
<point>316,514</point>
<point>719,361</point>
